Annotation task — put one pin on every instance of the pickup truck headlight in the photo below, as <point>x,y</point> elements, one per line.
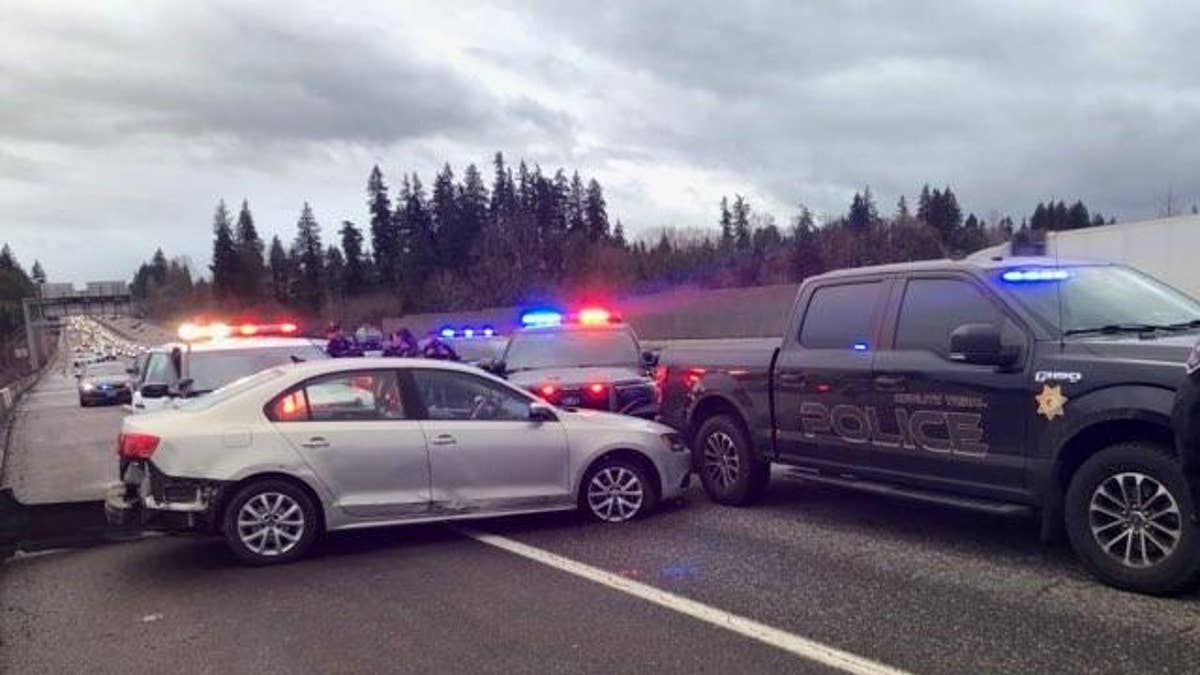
<point>674,443</point>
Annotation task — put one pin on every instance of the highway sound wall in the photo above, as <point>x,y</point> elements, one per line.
<point>681,313</point>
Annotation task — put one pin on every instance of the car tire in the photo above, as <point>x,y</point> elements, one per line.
<point>617,490</point>
<point>83,402</point>
<point>729,470</point>
<point>1129,516</point>
<point>270,521</point>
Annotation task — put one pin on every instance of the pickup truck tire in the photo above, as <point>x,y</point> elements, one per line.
<point>729,470</point>
<point>1129,516</point>
<point>270,521</point>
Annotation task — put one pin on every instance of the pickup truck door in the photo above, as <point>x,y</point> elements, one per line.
<point>823,374</point>
<point>961,426</point>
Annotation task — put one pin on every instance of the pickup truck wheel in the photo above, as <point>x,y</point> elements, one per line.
<point>729,471</point>
<point>270,521</point>
<point>1130,518</point>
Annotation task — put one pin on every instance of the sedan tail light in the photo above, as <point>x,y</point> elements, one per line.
<point>136,446</point>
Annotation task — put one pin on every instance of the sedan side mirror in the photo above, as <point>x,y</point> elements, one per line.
<point>979,343</point>
<point>155,390</point>
<point>649,359</point>
<point>540,412</point>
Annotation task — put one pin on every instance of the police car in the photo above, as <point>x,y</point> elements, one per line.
<point>210,356</point>
<point>587,359</point>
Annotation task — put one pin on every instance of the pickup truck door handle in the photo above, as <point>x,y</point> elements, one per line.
<point>889,381</point>
<point>316,442</point>
<point>444,439</point>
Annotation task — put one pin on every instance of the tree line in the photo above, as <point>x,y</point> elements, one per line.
<point>534,235</point>
<point>15,285</point>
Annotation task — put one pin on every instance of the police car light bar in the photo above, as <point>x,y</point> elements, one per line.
<point>447,332</point>
<point>594,316</point>
<point>191,332</point>
<point>541,318</point>
<point>1027,275</point>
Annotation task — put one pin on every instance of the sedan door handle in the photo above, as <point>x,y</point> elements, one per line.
<point>316,442</point>
<point>444,439</point>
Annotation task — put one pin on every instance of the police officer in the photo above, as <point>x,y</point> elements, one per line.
<point>403,344</point>
<point>340,344</point>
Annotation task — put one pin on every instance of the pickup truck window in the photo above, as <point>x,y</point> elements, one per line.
<point>839,317</point>
<point>933,308</point>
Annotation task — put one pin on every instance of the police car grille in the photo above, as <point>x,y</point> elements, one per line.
<point>631,396</point>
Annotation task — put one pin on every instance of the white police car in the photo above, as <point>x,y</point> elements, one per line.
<point>210,356</point>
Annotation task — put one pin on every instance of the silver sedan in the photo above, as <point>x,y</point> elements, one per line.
<point>273,460</point>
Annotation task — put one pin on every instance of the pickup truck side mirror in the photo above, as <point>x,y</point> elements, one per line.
<point>155,390</point>
<point>649,359</point>
<point>540,412</point>
<point>979,343</point>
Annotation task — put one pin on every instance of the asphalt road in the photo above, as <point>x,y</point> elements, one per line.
<point>914,587</point>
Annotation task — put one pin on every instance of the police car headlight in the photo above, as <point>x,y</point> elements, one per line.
<point>88,386</point>
<point>673,442</point>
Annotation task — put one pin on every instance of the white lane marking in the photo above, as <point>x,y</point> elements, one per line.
<point>788,642</point>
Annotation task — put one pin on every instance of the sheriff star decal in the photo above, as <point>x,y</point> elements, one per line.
<point>1051,401</point>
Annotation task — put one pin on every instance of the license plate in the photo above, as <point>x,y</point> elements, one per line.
<point>570,400</point>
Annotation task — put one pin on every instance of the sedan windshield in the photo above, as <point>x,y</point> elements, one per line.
<point>1105,298</point>
<point>571,349</point>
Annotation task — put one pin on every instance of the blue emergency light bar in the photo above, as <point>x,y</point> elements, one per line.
<point>1034,275</point>
<point>467,332</point>
<point>540,318</point>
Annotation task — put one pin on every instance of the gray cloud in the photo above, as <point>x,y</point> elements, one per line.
<point>128,122</point>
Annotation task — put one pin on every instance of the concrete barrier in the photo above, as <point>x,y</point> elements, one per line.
<point>682,313</point>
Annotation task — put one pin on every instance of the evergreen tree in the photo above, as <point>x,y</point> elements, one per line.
<point>1077,216</point>
<point>726,225</point>
<point>158,267</point>
<point>595,212</point>
<point>576,218</point>
<point>37,274</point>
<point>225,265</point>
<point>472,214</point>
<point>416,236</point>
<point>335,272</point>
<point>281,271</point>
<point>250,256</point>
<point>355,273</point>
<point>451,244</point>
<point>902,213</point>
<point>310,261</point>
<point>619,234</point>
<point>863,214</point>
<point>806,249</point>
<point>741,223</point>
<point>384,234</point>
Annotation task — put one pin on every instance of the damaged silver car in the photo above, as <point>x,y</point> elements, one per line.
<point>272,461</point>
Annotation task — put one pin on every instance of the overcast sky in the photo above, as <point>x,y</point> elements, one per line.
<point>123,123</point>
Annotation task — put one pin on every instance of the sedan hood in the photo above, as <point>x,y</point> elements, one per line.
<point>584,420</point>
<point>575,376</point>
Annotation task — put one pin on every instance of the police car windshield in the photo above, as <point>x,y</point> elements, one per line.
<point>211,370</point>
<point>230,390</point>
<point>1105,299</point>
<point>555,349</point>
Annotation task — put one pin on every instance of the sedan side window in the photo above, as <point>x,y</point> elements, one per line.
<point>356,395</point>
<point>451,395</point>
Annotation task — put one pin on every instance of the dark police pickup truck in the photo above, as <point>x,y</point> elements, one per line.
<point>1011,386</point>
